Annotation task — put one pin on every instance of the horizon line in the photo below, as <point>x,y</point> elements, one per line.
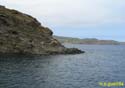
<point>88,38</point>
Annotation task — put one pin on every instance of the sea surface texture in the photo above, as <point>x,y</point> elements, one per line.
<point>100,63</point>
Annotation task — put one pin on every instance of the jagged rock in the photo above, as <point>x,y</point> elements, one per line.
<point>21,33</point>
<point>72,51</point>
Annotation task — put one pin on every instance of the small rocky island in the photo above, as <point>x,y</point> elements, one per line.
<point>22,34</point>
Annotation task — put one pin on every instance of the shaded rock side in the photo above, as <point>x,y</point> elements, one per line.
<point>21,33</point>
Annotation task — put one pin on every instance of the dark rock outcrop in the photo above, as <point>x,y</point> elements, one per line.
<point>21,33</point>
<point>72,51</point>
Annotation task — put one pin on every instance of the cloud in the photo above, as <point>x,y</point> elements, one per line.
<point>72,12</point>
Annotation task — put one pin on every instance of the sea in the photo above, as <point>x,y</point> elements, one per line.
<point>100,64</point>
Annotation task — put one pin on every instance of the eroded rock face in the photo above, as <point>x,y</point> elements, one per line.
<point>21,33</point>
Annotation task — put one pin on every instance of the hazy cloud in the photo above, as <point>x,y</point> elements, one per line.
<point>72,12</point>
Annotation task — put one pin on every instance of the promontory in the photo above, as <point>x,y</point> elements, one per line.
<point>21,33</point>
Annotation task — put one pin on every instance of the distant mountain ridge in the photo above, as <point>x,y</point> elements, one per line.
<point>87,41</point>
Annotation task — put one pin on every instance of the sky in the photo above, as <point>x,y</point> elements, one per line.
<point>102,19</point>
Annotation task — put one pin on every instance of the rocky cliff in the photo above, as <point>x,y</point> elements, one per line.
<point>21,33</point>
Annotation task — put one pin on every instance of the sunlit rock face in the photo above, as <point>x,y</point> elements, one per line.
<point>21,33</point>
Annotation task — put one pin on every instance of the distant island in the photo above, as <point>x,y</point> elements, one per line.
<point>87,41</point>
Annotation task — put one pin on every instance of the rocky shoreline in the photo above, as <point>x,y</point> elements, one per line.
<point>22,34</point>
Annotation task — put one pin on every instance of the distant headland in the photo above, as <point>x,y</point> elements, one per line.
<point>89,41</point>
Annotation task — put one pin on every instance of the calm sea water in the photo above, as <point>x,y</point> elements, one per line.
<point>100,63</point>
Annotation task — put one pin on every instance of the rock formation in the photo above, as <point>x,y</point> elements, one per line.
<point>21,33</point>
